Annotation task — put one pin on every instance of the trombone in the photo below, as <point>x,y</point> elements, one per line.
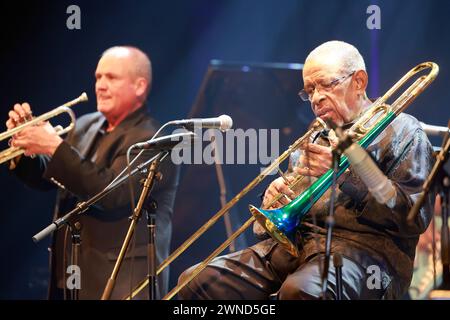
<point>281,223</point>
<point>13,152</point>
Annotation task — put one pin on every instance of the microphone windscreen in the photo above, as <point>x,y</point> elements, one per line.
<point>225,122</point>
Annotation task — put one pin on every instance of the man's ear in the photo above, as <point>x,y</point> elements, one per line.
<point>361,80</point>
<point>141,86</point>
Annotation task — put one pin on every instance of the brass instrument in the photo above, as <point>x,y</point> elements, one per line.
<point>13,152</point>
<point>281,223</point>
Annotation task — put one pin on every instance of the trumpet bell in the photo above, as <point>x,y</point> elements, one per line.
<point>280,224</point>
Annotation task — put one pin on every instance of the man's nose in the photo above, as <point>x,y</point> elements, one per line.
<point>316,97</point>
<point>100,84</point>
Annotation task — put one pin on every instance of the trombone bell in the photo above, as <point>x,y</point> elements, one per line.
<point>280,224</point>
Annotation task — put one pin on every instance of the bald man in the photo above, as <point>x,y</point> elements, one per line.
<point>376,243</point>
<point>93,154</point>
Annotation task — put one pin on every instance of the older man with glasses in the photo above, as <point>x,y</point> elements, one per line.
<point>376,243</point>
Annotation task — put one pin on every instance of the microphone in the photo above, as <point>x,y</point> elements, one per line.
<point>434,130</point>
<point>223,122</point>
<point>363,165</point>
<point>167,142</point>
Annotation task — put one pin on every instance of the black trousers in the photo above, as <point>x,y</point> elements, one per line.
<point>264,269</point>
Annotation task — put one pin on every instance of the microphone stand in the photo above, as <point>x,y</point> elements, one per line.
<point>150,209</point>
<point>329,222</point>
<point>153,175</point>
<point>338,263</point>
<point>75,232</point>
<point>344,142</point>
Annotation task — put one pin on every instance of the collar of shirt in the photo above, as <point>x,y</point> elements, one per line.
<point>130,119</point>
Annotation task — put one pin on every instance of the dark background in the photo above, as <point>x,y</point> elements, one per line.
<point>45,64</point>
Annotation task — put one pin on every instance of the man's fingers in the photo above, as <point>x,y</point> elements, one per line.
<point>288,192</point>
<point>290,178</point>
<point>14,116</point>
<point>284,189</point>
<point>315,164</point>
<point>20,143</point>
<point>270,192</point>
<point>277,200</point>
<point>20,114</point>
<point>283,201</point>
<point>10,124</point>
<point>321,161</point>
<point>306,161</point>
<point>275,205</point>
<point>278,191</point>
<point>27,109</point>
<point>313,171</point>
<point>315,148</point>
<point>26,145</point>
<point>20,111</point>
<point>307,172</point>
<point>25,133</point>
<point>25,136</point>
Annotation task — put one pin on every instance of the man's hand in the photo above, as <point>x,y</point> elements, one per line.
<point>275,188</point>
<point>40,139</point>
<point>318,162</point>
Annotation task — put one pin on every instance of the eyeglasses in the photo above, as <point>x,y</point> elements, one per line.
<point>306,94</point>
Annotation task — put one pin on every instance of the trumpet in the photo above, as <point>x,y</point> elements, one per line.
<point>13,152</point>
<point>282,223</point>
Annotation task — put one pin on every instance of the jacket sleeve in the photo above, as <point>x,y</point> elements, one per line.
<point>30,171</point>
